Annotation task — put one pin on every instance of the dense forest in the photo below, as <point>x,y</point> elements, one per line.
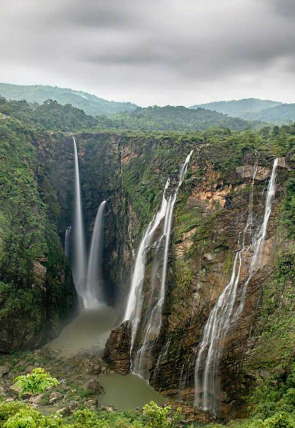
<point>51,115</point>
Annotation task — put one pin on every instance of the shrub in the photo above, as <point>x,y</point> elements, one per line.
<point>35,382</point>
<point>160,417</point>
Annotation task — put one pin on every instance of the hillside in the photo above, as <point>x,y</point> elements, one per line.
<point>281,114</point>
<point>177,118</point>
<point>54,116</point>
<point>245,108</point>
<point>91,104</point>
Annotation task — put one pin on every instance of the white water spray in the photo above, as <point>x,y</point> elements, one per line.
<point>93,291</point>
<point>224,314</point>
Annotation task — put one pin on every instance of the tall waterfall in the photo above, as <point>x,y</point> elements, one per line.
<point>67,240</point>
<point>87,282</point>
<point>134,304</point>
<point>227,309</point>
<point>133,312</point>
<point>93,292</point>
<point>79,266</point>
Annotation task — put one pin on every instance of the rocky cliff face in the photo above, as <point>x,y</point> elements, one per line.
<point>210,216</point>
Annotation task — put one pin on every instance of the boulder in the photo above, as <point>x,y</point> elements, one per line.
<point>117,350</point>
<point>54,397</point>
<point>94,386</point>
<point>4,370</point>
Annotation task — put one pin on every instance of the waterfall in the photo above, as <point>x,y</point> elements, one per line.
<point>134,304</point>
<point>79,265</point>
<point>93,293</point>
<point>133,312</point>
<point>224,315</point>
<point>87,282</point>
<point>67,241</point>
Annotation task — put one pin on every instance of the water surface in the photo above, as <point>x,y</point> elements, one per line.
<point>127,392</point>
<point>90,329</point>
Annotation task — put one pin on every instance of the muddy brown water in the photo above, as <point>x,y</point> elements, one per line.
<point>90,330</point>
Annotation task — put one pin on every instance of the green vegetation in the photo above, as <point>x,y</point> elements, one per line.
<point>19,415</point>
<point>35,382</point>
<point>176,118</point>
<point>284,113</point>
<point>53,116</point>
<point>91,104</point>
<point>239,108</point>
<point>49,115</point>
<point>132,155</point>
<point>32,261</point>
<point>254,109</point>
<point>273,404</point>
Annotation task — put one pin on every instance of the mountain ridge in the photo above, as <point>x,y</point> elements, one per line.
<point>91,104</point>
<point>238,108</point>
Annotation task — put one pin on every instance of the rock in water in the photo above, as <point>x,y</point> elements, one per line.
<point>94,386</point>
<point>117,350</point>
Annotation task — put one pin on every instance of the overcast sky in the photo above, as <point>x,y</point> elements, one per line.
<point>178,52</point>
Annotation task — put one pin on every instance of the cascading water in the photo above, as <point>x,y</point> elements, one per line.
<point>93,292</point>
<point>79,265</point>
<point>67,241</point>
<point>134,304</point>
<point>87,282</point>
<point>224,314</point>
<point>133,312</point>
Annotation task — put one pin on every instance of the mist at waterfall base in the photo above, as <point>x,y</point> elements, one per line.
<point>87,276</point>
<point>230,305</point>
<point>153,317</point>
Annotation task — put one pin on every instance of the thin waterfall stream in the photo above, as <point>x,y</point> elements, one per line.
<point>67,241</point>
<point>226,311</point>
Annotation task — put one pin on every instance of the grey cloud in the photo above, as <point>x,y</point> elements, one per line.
<point>100,13</point>
<point>164,51</point>
<point>285,8</point>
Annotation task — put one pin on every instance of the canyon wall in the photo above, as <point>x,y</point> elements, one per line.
<point>129,171</point>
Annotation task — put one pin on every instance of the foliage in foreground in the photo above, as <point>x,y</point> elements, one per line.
<point>273,404</point>
<point>19,415</point>
<point>35,383</point>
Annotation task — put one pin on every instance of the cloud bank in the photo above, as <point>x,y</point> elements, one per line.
<point>152,52</point>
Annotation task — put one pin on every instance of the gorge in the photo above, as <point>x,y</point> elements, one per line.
<point>191,243</point>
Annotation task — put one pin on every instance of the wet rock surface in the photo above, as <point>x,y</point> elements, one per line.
<point>117,350</point>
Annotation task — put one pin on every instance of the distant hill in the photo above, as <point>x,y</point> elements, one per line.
<point>245,108</point>
<point>281,114</point>
<point>176,118</point>
<point>91,104</point>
